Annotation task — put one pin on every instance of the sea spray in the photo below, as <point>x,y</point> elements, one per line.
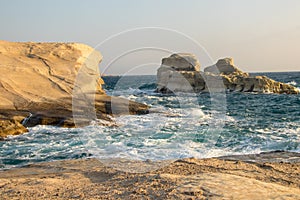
<point>176,127</point>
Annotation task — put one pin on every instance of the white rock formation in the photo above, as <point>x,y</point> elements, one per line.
<point>184,76</point>
<point>225,66</point>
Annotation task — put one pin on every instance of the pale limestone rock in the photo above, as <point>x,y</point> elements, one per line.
<point>182,62</point>
<point>43,78</point>
<point>35,72</point>
<point>225,66</point>
<point>259,84</point>
<point>179,73</point>
<point>221,77</point>
<point>225,62</point>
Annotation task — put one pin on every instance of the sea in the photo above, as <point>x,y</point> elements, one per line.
<point>179,125</point>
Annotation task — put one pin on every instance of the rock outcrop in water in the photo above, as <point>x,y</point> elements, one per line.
<point>185,76</point>
<point>39,80</point>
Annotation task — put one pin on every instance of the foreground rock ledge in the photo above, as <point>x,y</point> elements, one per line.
<point>264,176</point>
<point>181,73</point>
<point>39,80</point>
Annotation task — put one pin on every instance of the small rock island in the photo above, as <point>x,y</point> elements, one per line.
<point>181,73</point>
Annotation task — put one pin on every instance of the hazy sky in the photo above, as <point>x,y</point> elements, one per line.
<point>261,35</point>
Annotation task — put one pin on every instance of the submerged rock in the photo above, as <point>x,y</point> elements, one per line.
<point>45,80</point>
<point>223,76</point>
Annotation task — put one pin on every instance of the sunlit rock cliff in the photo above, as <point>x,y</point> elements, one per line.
<point>39,83</point>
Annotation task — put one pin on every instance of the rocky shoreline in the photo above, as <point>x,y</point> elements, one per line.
<point>273,175</point>
<point>41,82</point>
<point>50,83</point>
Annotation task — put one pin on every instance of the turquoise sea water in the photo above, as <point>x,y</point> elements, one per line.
<point>178,126</point>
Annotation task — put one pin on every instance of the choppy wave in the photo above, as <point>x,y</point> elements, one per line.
<point>178,126</point>
<point>292,83</point>
<point>148,86</point>
<point>41,143</point>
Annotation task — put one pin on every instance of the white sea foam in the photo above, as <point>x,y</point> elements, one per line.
<point>177,127</point>
<point>197,112</point>
<point>292,83</point>
<point>134,140</point>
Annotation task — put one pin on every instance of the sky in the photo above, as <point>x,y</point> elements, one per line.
<point>261,35</point>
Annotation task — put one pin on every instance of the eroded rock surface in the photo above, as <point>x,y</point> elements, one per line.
<point>44,80</point>
<point>179,72</point>
<point>225,66</point>
<point>182,62</point>
<point>234,177</point>
<point>223,76</point>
